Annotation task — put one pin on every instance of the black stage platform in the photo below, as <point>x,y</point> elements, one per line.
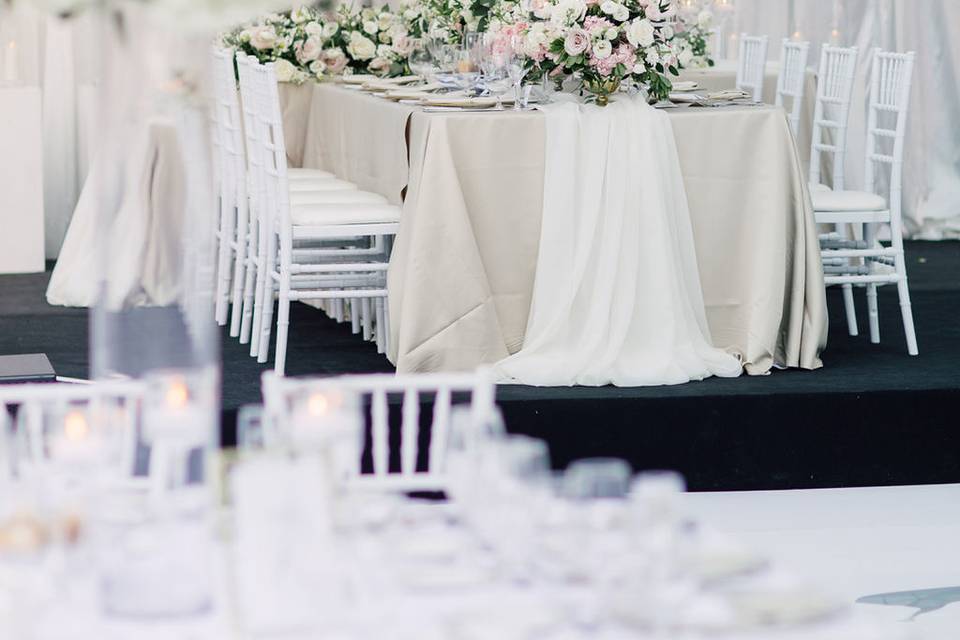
<point>871,416</point>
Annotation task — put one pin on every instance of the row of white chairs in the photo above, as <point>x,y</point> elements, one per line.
<point>36,414</point>
<point>288,234</point>
<point>854,259</point>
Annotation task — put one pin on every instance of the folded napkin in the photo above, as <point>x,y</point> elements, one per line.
<point>457,101</point>
<point>359,78</point>
<point>412,93</point>
<point>683,87</point>
<point>728,94</point>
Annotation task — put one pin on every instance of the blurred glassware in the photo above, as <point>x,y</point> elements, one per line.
<point>597,478</point>
<point>422,63</point>
<point>250,434</point>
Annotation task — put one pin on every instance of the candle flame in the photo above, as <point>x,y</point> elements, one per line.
<point>178,394</point>
<point>318,404</point>
<point>75,426</point>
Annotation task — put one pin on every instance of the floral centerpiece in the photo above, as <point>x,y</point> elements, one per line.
<point>293,41</point>
<point>373,41</point>
<point>604,45</point>
<point>694,30</point>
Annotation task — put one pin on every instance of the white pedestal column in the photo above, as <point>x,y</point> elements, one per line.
<point>21,180</point>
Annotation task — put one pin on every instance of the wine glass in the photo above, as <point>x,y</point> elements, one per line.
<point>516,72</point>
<point>421,63</point>
<point>493,68</point>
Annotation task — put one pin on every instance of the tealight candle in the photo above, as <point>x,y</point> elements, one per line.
<point>76,444</point>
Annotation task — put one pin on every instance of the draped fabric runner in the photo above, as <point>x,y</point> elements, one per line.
<point>617,298</point>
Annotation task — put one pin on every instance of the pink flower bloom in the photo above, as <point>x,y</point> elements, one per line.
<point>596,22</point>
<point>576,42</point>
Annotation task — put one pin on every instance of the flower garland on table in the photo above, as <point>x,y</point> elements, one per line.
<point>293,42</point>
<point>604,45</point>
<point>372,41</point>
<point>694,31</point>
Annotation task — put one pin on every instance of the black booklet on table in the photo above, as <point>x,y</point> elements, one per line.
<point>33,367</point>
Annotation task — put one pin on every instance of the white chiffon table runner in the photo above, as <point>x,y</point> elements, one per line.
<point>617,296</point>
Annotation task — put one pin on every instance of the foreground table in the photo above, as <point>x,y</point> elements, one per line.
<point>463,267</point>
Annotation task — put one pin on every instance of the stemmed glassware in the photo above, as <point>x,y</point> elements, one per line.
<point>422,63</point>
<point>517,71</point>
<point>493,67</point>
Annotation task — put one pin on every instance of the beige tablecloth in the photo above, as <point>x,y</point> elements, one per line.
<point>724,76</point>
<point>462,271</point>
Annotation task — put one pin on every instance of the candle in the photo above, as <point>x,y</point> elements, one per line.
<point>76,444</point>
<point>329,420</point>
<point>11,64</point>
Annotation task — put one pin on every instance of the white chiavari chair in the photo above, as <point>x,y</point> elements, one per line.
<point>294,257</point>
<point>752,65</point>
<point>792,81</point>
<point>418,408</point>
<point>838,67</point>
<point>108,411</point>
<point>238,199</point>
<point>889,101</point>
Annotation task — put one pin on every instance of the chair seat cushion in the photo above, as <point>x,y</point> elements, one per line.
<point>308,174</point>
<point>335,197</point>
<point>847,201</point>
<point>321,184</point>
<point>350,213</point>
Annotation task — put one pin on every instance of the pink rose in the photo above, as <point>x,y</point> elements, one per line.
<point>335,59</point>
<point>576,42</point>
<point>310,50</point>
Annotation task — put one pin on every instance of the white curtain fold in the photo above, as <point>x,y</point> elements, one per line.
<point>931,28</point>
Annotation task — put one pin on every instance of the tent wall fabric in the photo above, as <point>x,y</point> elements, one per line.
<point>929,27</point>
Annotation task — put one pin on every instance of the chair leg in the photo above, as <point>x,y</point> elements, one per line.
<point>258,302</point>
<point>355,316</point>
<point>387,340</point>
<point>906,308</point>
<point>367,318</point>
<point>267,323</point>
<point>223,260</point>
<point>379,331</point>
<point>874,312</point>
<point>851,310</point>
<point>283,324</point>
<point>239,271</point>
<point>338,310</point>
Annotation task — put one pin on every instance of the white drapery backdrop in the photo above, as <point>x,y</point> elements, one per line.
<point>61,59</point>
<point>929,27</point>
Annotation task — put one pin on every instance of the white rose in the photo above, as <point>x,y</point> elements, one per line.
<point>371,26</point>
<point>705,19</point>
<point>612,33</point>
<point>318,68</point>
<point>311,49</point>
<point>640,33</point>
<point>330,29</point>
<point>300,15</point>
<point>384,51</point>
<point>285,70</point>
<point>602,49</point>
<point>361,47</point>
<point>263,38</point>
<point>653,58</point>
<point>639,69</point>
<point>379,64</point>
<point>608,7</point>
<point>313,29</point>
<point>622,14</point>
<point>685,57</point>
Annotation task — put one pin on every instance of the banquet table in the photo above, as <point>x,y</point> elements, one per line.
<point>462,272</point>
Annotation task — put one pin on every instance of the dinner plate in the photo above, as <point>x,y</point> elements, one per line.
<point>458,102</point>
